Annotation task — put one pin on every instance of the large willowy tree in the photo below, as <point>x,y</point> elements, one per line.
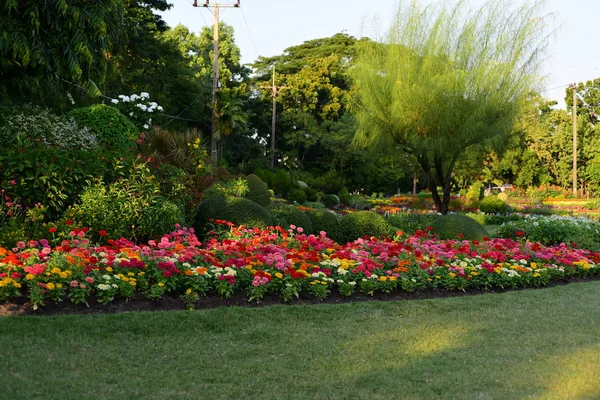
<point>445,80</point>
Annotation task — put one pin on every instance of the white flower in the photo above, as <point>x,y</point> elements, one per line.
<point>134,97</point>
<point>131,114</point>
<point>146,126</point>
<point>159,108</point>
<point>150,109</point>
<point>144,95</point>
<point>114,101</point>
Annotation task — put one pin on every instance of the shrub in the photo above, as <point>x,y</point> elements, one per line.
<point>344,196</point>
<point>452,225</point>
<point>475,193</point>
<point>55,178</point>
<point>330,200</point>
<point>503,196</point>
<point>330,182</point>
<point>282,182</point>
<point>326,221</point>
<point>363,223</point>
<point>175,185</point>
<point>237,210</point>
<point>285,215</point>
<point>359,203</point>
<point>297,196</point>
<point>314,204</point>
<point>492,205</point>
<point>258,191</point>
<point>409,222</point>
<point>130,207</point>
<point>29,125</point>
<point>113,129</point>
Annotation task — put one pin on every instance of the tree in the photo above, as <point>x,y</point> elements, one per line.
<point>447,80</point>
<point>43,43</point>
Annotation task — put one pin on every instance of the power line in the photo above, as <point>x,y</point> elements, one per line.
<point>250,33</point>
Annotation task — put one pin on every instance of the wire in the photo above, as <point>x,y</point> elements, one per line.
<point>178,115</point>
<point>249,33</point>
<point>556,87</point>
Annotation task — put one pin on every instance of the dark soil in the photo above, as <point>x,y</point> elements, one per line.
<point>21,306</point>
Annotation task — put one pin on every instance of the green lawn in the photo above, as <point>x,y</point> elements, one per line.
<point>539,344</point>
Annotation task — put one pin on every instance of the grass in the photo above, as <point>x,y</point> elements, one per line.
<point>538,344</point>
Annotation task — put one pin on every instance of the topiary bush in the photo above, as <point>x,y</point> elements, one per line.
<point>285,215</point>
<point>475,193</point>
<point>297,196</point>
<point>492,205</point>
<point>237,210</point>
<point>363,223</point>
<point>325,221</point>
<point>452,225</point>
<point>112,129</point>
<point>258,191</point>
<point>410,222</point>
<point>330,200</point>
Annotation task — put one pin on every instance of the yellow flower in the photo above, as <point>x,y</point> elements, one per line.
<point>188,291</point>
<point>383,278</point>
<point>161,284</point>
<point>131,274</point>
<point>474,273</point>
<point>429,279</point>
<point>279,275</point>
<point>437,277</point>
<point>323,283</point>
<point>55,270</point>
<point>392,278</point>
<point>59,285</point>
<point>50,286</point>
<point>536,275</point>
<point>533,265</point>
<point>109,269</point>
<point>141,273</point>
<point>451,274</point>
<point>29,277</point>
<point>63,275</point>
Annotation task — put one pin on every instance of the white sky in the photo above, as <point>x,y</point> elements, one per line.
<point>267,27</point>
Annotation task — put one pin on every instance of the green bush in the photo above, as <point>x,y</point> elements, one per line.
<point>130,207</point>
<point>113,129</point>
<point>237,210</point>
<point>409,223</point>
<point>475,193</point>
<point>285,215</point>
<point>492,205</point>
<point>330,200</point>
<point>175,185</point>
<point>359,203</point>
<point>282,182</point>
<point>344,196</point>
<point>330,182</point>
<point>258,191</point>
<point>311,194</point>
<point>363,223</point>
<point>314,204</point>
<point>55,178</point>
<point>297,196</point>
<point>29,126</point>
<point>326,221</point>
<point>452,225</point>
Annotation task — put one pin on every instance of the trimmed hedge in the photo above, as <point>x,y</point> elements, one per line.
<point>285,215</point>
<point>452,225</point>
<point>238,210</point>
<point>112,129</point>
<point>363,223</point>
<point>258,191</point>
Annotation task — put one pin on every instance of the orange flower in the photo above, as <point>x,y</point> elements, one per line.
<point>189,272</point>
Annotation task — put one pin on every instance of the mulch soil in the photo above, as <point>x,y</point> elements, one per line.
<point>21,306</point>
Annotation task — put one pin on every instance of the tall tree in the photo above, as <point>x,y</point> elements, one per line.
<point>446,80</point>
<point>43,43</point>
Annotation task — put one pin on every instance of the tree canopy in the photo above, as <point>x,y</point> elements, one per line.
<point>446,80</point>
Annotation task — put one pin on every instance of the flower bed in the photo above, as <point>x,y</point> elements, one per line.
<point>275,261</point>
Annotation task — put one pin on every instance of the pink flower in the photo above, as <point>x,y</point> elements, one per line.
<point>73,283</point>
<point>300,229</point>
<point>13,182</point>
<point>89,279</point>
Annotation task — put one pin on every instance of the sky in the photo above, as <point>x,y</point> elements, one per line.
<point>267,27</point>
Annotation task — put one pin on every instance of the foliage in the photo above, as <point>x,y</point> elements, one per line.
<point>43,43</point>
<point>326,221</point>
<point>475,193</point>
<point>130,207</point>
<point>113,129</point>
<point>25,126</point>
<point>54,178</point>
<point>257,190</point>
<point>237,210</point>
<point>330,200</point>
<point>363,223</point>
<point>492,205</point>
<point>228,188</point>
<point>297,196</point>
<point>138,109</point>
<point>411,222</point>
<point>553,230</point>
<point>451,86</point>
<point>285,215</point>
<point>453,226</point>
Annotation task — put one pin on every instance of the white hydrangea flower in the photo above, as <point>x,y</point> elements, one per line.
<point>114,101</point>
<point>144,95</point>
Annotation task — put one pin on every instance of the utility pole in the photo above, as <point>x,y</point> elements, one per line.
<point>573,87</point>
<point>215,85</point>
<point>274,92</point>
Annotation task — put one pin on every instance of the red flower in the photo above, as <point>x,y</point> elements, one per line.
<point>102,232</point>
<point>519,233</point>
<point>69,222</point>
<point>52,230</point>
